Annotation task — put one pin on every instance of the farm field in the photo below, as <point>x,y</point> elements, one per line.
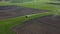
<point>13,17</point>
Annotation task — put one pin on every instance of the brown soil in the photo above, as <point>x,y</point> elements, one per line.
<point>14,11</point>
<point>44,25</point>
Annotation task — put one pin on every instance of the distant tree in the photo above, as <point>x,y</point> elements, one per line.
<point>20,1</point>
<point>0,0</point>
<point>6,0</point>
<point>58,0</point>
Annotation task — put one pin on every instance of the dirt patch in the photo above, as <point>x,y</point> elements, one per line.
<point>14,11</point>
<point>43,25</point>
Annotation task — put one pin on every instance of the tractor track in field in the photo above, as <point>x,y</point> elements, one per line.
<point>15,11</point>
<point>42,25</point>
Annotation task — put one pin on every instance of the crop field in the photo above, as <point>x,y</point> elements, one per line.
<point>30,17</point>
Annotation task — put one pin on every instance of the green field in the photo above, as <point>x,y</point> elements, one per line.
<point>6,25</point>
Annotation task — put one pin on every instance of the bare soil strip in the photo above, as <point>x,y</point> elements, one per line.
<point>44,25</point>
<point>14,11</point>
